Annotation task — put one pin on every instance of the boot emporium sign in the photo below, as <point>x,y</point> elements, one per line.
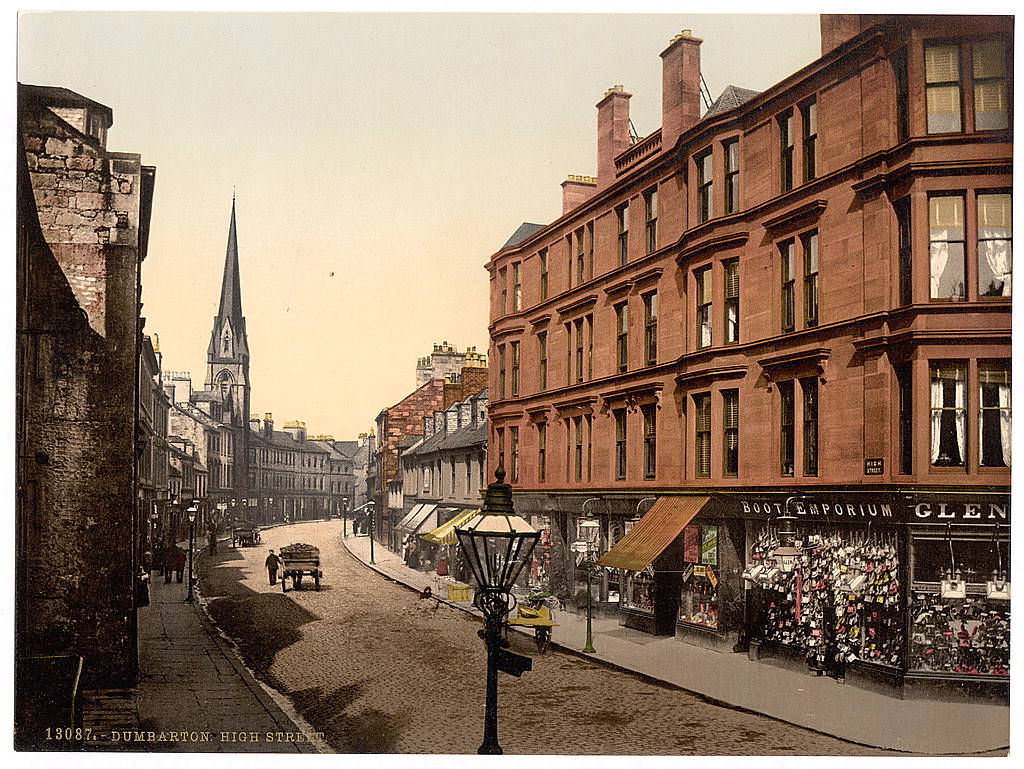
<point>880,508</point>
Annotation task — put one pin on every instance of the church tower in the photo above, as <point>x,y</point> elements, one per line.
<point>227,370</point>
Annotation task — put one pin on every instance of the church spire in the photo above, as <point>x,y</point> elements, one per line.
<point>229,316</point>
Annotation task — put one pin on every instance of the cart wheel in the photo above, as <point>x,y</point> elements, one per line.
<point>543,638</point>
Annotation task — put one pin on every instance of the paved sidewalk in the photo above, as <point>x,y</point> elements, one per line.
<point>190,683</point>
<point>872,718</point>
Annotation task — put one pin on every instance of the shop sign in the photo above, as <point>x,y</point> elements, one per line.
<point>691,543</point>
<point>966,508</point>
<point>961,511</point>
<point>709,546</point>
<point>833,508</point>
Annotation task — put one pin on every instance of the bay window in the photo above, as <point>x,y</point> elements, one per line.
<point>994,404</point>
<point>946,246</point>
<point>995,244</point>
<point>948,414</point>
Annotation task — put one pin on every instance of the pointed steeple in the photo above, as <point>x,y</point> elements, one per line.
<point>229,317</point>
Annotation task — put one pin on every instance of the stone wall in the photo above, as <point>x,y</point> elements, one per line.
<point>78,324</point>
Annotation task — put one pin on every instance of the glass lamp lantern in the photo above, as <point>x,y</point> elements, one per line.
<point>590,530</point>
<point>496,542</point>
<point>192,514</point>
<point>787,555</point>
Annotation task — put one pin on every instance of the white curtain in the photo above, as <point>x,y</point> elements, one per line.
<point>939,257</point>
<point>705,333</point>
<point>996,254</point>
<point>961,420</point>
<point>1004,422</point>
<point>936,417</point>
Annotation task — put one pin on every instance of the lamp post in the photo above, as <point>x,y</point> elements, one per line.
<point>370,506</point>
<point>344,517</point>
<point>591,530</point>
<point>496,544</point>
<point>787,554</point>
<point>191,547</point>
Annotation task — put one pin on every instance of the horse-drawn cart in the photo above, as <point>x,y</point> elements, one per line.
<point>245,536</point>
<point>298,560</point>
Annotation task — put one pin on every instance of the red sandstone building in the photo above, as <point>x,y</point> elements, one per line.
<point>805,293</point>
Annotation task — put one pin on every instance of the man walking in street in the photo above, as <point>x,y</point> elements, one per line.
<point>273,564</point>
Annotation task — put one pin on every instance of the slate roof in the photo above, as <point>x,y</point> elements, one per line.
<point>348,449</point>
<point>464,438</point>
<point>526,229</point>
<point>205,396</point>
<point>732,96</point>
<point>429,444</point>
<point>283,440</point>
<point>60,97</point>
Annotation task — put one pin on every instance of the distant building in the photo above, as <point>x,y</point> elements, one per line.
<point>154,502</point>
<point>83,227</point>
<point>446,362</point>
<point>444,472</point>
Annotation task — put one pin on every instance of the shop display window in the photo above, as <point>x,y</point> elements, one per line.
<point>639,593</point>
<point>960,610</point>
<point>841,604</point>
<point>698,600</point>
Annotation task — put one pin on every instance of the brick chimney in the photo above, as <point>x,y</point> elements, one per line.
<point>612,132</point>
<point>680,87</point>
<point>577,190</point>
<point>837,28</point>
<point>268,424</point>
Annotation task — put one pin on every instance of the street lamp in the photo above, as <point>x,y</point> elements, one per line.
<point>344,517</point>
<point>591,531</point>
<point>191,547</point>
<point>787,554</point>
<point>371,506</point>
<point>496,544</point>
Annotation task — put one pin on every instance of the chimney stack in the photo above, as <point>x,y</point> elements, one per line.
<point>577,190</point>
<point>612,132</point>
<point>680,87</point>
<point>268,424</point>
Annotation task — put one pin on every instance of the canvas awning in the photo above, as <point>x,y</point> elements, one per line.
<point>415,520</point>
<point>653,533</point>
<point>445,533</point>
<point>409,516</point>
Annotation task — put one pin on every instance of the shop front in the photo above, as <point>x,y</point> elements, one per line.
<point>898,586</point>
<point>649,560</point>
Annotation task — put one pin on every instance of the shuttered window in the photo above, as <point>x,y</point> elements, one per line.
<point>704,336</point>
<point>991,100</point>
<point>702,446</point>
<point>942,87</point>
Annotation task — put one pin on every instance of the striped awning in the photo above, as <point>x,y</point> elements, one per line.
<point>409,516</point>
<point>415,520</point>
<point>653,533</point>
<point>445,533</point>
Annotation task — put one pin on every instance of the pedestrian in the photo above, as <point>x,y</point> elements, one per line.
<point>442,567</point>
<point>412,559</point>
<point>143,591</point>
<point>169,548</point>
<point>273,563</point>
<point>147,561</point>
<point>179,563</point>
<point>213,541</point>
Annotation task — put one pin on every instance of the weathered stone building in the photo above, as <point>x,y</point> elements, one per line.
<point>153,496</point>
<point>83,224</point>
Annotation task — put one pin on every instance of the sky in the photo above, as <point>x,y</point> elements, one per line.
<point>378,161</point>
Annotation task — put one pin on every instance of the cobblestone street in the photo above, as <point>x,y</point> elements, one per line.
<point>362,664</point>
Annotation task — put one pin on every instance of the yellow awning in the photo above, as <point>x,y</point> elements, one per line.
<point>653,533</point>
<point>445,533</point>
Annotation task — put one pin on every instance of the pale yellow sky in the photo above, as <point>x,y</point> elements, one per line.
<point>397,151</point>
